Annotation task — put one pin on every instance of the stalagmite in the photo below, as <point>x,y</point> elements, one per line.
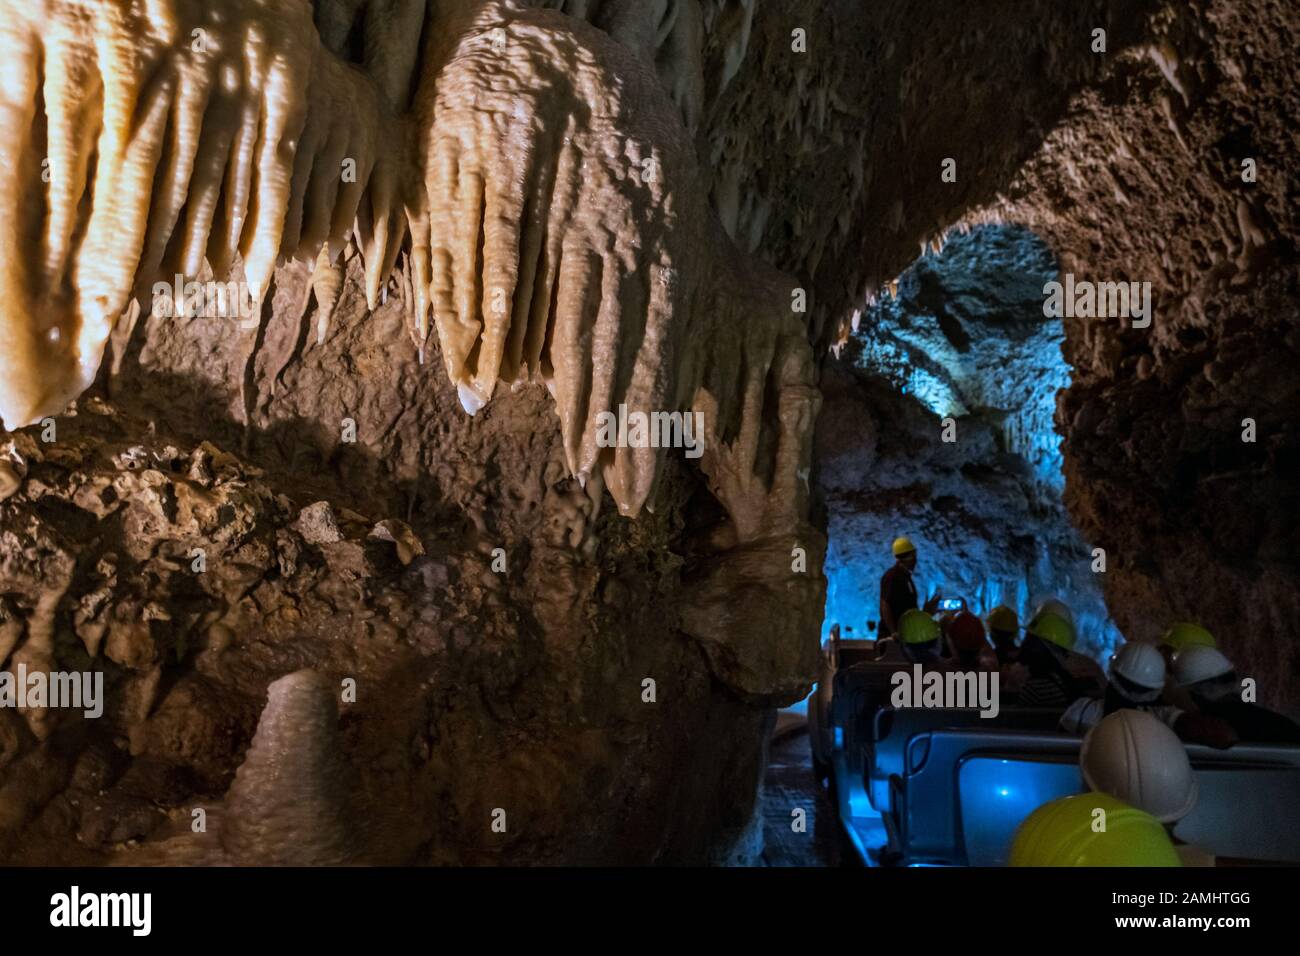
<point>288,804</point>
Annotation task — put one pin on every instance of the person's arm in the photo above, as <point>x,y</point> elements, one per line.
<point>932,605</point>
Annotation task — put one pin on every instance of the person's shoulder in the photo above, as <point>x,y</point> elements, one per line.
<point>888,649</point>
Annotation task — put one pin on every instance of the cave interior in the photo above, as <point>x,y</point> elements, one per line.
<point>422,418</point>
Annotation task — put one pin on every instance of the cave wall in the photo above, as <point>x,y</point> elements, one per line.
<point>939,424</point>
<point>601,673</point>
<point>824,164</point>
<point>1143,180</point>
<point>827,163</point>
<point>479,685</point>
<point>1129,165</point>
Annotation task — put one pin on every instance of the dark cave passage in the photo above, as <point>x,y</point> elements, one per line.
<point>962,348</point>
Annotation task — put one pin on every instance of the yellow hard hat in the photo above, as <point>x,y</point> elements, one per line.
<point>1052,627</point>
<point>1187,635</point>
<point>1056,606</point>
<point>1002,618</point>
<point>1065,832</point>
<point>903,546</point>
<point>917,627</point>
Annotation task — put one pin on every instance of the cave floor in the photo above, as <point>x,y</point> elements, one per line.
<point>789,785</point>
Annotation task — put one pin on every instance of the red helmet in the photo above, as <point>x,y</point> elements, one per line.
<point>967,632</point>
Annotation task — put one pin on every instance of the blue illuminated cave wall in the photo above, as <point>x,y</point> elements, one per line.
<point>965,338</point>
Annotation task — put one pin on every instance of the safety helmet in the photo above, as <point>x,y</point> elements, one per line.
<point>1069,832</point>
<point>1055,606</point>
<point>1137,758</point>
<point>1140,664</point>
<point>917,627</point>
<point>967,632</point>
<point>1051,627</point>
<point>1186,634</point>
<point>903,546</point>
<point>1197,663</point>
<point>1002,618</point>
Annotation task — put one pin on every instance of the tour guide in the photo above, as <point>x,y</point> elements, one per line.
<point>897,591</point>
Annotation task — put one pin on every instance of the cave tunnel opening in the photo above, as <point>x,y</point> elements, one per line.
<point>427,562</point>
<point>939,425</point>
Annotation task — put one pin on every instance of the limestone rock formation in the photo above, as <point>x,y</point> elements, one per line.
<point>289,803</point>
<point>519,688</point>
<point>215,134</point>
<point>553,195</point>
<point>1130,164</point>
<point>1159,469</point>
<point>544,217</point>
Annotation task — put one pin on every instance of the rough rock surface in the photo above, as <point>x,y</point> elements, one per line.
<point>460,570</point>
<point>963,346</point>
<point>521,688</point>
<point>1129,165</point>
<point>1205,524</point>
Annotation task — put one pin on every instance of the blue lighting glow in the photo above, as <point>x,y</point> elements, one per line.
<point>966,339</point>
<point>996,795</point>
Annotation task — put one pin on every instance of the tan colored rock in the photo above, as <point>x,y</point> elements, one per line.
<point>10,479</point>
<point>408,545</point>
<point>288,805</point>
<point>264,109</point>
<point>317,524</point>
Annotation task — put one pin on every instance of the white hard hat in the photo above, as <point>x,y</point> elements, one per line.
<point>1137,758</point>
<point>1197,663</point>
<point>1055,606</point>
<point>1142,664</point>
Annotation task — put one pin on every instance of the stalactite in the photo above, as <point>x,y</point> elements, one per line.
<point>559,220</point>
<point>217,135</point>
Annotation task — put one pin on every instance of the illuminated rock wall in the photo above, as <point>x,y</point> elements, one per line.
<point>964,340</point>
